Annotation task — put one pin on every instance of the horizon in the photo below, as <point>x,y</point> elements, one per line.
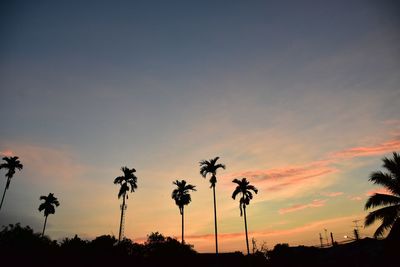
<point>302,99</point>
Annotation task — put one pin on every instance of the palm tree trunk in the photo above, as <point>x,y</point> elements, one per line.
<point>183,227</point>
<point>215,222</point>
<point>122,217</point>
<point>44,226</point>
<point>245,229</point>
<point>2,199</point>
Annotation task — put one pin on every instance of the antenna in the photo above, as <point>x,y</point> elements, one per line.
<point>326,237</point>
<point>320,239</point>
<point>356,229</point>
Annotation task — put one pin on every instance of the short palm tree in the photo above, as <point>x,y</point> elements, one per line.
<point>181,195</point>
<point>11,164</point>
<point>128,183</point>
<point>48,206</point>
<point>389,215</point>
<point>244,188</point>
<point>211,167</point>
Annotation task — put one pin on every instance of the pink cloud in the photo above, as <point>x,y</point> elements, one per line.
<point>383,148</point>
<point>378,191</point>
<point>290,180</point>
<point>6,153</point>
<point>44,162</point>
<point>314,204</point>
<point>312,226</point>
<point>355,198</point>
<point>332,194</point>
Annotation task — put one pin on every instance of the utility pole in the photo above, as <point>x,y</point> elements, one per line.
<point>356,229</point>
<point>320,239</point>
<point>326,237</point>
<point>253,241</point>
<point>333,242</point>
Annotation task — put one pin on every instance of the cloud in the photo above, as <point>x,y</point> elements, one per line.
<point>6,153</point>
<point>332,194</point>
<point>378,191</point>
<point>312,226</point>
<point>46,162</point>
<point>355,198</point>
<point>363,151</point>
<point>314,204</point>
<point>290,180</point>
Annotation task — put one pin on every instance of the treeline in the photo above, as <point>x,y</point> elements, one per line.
<point>21,246</point>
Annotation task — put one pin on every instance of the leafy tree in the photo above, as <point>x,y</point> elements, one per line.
<point>128,183</point>
<point>182,197</point>
<point>389,215</point>
<point>245,189</point>
<point>211,167</point>
<point>159,248</point>
<point>48,206</point>
<point>11,164</point>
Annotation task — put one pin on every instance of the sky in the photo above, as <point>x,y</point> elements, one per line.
<point>300,97</point>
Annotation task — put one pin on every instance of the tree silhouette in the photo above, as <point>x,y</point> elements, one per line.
<point>389,215</point>
<point>11,164</point>
<point>128,183</point>
<point>244,187</point>
<point>48,206</point>
<point>211,167</point>
<point>181,195</point>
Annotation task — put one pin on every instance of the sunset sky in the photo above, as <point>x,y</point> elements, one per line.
<point>300,97</point>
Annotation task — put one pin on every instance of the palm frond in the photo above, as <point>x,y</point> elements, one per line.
<point>236,192</point>
<point>381,200</point>
<point>390,212</point>
<point>123,189</point>
<point>393,165</point>
<point>252,188</point>
<point>118,179</point>
<point>386,180</point>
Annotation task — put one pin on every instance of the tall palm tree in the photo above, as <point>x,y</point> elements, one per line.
<point>389,215</point>
<point>211,167</point>
<point>11,164</point>
<point>48,206</point>
<point>181,195</point>
<point>244,187</point>
<point>128,183</point>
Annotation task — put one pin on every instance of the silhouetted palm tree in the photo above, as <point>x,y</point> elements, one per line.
<point>128,182</point>
<point>211,167</point>
<point>245,188</point>
<point>390,213</point>
<point>11,164</point>
<point>181,195</point>
<point>48,206</point>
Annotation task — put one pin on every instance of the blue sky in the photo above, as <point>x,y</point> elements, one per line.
<point>270,86</point>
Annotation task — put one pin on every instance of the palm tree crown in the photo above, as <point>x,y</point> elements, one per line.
<point>389,215</point>
<point>210,167</point>
<point>11,164</point>
<point>244,187</point>
<point>48,205</point>
<point>181,194</point>
<point>127,181</point>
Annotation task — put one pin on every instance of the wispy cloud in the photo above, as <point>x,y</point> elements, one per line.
<point>377,191</point>
<point>355,198</point>
<point>290,180</point>
<point>316,203</point>
<point>312,226</point>
<point>6,153</point>
<point>45,162</point>
<point>363,151</point>
<point>332,194</point>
